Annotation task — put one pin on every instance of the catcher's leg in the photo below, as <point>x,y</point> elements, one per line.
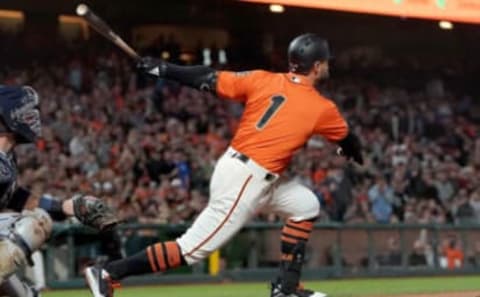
<point>36,273</point>
<point>235,193</point>
<point>14,287</point>
<point>300,207</point>
<point>24,235</point>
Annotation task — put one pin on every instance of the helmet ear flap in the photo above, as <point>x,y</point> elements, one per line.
<point>293,67</point>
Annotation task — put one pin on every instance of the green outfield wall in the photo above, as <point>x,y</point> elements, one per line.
<point>334,251</point>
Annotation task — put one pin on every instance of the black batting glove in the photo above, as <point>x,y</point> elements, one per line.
<point>358,158</point>
<point>152,66</point>
<point>351,148</point>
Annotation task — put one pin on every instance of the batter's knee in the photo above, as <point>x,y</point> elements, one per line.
<point>308,210</point>
<point>193,255</point>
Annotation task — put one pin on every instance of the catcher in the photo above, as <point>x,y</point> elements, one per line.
<point>24,231</point>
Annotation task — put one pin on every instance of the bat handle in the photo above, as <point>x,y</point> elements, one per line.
<point>130,51</point>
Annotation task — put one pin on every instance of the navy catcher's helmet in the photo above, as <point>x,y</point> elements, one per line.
<point>305,50</point>
<point>19,112</point>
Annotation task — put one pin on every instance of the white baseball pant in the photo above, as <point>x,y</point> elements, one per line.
<point>239,190</point>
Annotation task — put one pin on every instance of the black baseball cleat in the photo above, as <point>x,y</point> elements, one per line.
<point>99,281</point>
<point>276,291</point>
<point>36,293</point>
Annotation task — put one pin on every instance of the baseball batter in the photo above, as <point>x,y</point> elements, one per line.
<point>24,231</point>
<point>282,111</point>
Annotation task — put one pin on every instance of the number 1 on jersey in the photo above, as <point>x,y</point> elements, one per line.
<point>277,102</point>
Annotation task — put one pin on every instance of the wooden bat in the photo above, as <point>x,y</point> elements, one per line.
<point>103,28</point>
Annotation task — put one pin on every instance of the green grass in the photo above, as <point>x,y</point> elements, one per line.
<point>335,288</point>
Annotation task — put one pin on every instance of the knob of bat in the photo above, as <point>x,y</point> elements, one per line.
<point>82,9</point>
<point>340,152</point>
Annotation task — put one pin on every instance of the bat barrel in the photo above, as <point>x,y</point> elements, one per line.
<point>104,29</point>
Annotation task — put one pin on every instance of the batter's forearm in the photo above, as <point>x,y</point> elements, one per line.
<point>24,199</point>
<point>67,207</point>
<point>55,208</point>
<point>200,77</point>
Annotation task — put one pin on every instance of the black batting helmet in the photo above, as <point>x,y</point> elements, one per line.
<point>305,50</point>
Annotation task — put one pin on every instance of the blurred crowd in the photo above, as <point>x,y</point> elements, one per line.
<point>446,254</point>
<point>422,152</point>
<point>149,148</point>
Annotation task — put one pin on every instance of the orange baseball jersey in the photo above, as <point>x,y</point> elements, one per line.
<point>282,111</point>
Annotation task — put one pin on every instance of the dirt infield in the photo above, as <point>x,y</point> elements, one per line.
<point>451,294</point>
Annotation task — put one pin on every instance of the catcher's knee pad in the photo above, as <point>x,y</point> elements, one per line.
<point>32,229</point>
<point>29,231</point>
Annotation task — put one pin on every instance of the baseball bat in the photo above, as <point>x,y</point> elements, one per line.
<point>104,29</point>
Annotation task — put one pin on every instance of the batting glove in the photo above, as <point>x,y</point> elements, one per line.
<point>351,148</point>
<point>152,66</point>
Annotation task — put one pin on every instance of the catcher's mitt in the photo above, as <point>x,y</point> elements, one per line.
<point>94,213</point>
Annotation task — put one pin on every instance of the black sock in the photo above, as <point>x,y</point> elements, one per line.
<point>134,265</point>
<point>156,258</point>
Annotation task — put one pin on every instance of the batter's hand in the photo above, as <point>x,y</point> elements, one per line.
<point>351,148</point>
<point>152,66</point>
<point>356,157</point>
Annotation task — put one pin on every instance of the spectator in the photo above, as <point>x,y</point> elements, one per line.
<point>359,212</point>
<point>452,255</point>
<point>474,258</point>
<point>380,196</point>
<point>182,168</point>
<point>465,213</point>
<point>400,198</point>
<point>418,256</point>
<point>444,186</point>
<point>393,257</point>
<point>475,204</point>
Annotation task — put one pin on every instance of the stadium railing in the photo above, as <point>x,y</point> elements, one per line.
<point>334,251</point>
